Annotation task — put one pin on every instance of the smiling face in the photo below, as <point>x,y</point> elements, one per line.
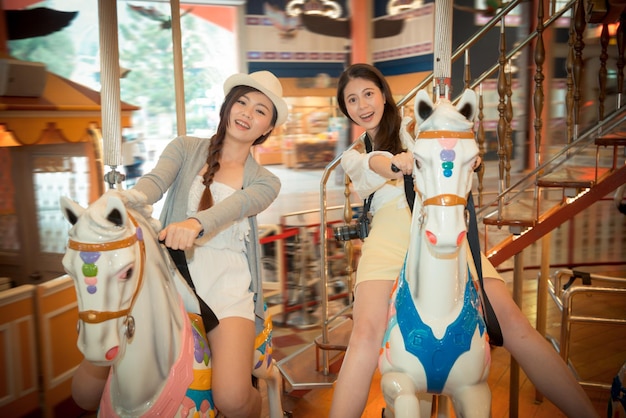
<point>250,117</point>
<point>365,104</point>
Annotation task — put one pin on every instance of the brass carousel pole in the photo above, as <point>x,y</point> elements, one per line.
<point>179,82</point>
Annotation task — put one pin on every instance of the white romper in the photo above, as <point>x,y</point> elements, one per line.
<point>219,268</point>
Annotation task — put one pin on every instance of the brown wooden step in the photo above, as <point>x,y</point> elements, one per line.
<point>575,177</point>
<point>521,214</point>
<point>617,139</point>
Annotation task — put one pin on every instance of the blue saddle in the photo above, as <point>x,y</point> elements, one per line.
<point>437,355</point>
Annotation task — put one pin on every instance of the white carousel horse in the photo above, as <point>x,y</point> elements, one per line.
<point>436,341</point>
<point>132,316</point>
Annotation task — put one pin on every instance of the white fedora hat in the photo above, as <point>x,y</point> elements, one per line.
<point>266,83</point>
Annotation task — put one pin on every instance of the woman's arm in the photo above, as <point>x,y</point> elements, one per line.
<point>369,172</point>
<point>381,164</point>
<point>155,183</point>
<point>256,196</point>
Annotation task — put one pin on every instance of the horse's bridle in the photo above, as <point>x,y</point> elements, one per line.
<point>445,199</point>
<point>95,317</point>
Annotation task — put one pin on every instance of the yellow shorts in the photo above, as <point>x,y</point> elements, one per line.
<point>384,249</point>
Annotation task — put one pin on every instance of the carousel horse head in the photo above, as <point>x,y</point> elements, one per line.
<point>106,257</point>
<point>131,314</point>
<point>445,154</point>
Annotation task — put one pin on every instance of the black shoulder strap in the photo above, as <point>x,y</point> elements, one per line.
<point>208,316</point>
<point>409,190</point>
<point>367,202</point>
<point>493,326</point>
<point>368,142</point>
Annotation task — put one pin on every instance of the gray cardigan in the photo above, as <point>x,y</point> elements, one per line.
<point>178,165</point>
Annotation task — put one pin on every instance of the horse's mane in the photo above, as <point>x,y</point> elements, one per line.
<point>138,202</point>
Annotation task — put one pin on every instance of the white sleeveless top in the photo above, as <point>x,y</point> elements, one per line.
<point>219,268</point>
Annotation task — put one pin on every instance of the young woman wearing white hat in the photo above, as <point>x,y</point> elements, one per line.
<point>215,189</point>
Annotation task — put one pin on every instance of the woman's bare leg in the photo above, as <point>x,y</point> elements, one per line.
<point>541,363</point>
<point>355,377</point>
<point>232,355</point>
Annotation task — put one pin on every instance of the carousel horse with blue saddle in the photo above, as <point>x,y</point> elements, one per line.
<point>436,341</point>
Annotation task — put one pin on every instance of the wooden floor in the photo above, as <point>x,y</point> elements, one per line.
<point>597,353</point>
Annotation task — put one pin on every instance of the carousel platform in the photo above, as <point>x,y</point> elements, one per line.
<point>305,369</point>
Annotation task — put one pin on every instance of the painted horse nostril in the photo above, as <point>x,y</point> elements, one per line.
<point>460,238</point>
<point>112,353</point>
<point>431,237</point>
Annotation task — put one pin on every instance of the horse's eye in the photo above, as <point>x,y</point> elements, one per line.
<point>126,274</point>
<point>418,164</point>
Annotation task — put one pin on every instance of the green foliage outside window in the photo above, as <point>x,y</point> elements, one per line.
<point>145,48</point>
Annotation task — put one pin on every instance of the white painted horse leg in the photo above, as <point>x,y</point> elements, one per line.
<point>473,401</point>
<point>399,393</point>
<point>274,381</point>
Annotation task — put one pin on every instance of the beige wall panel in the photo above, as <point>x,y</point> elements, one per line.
<point>57,315</point>
<point>18,361</point>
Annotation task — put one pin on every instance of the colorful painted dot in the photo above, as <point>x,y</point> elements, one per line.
<point>89,257</point>
<point>139,234</point>
<point>91,289</point>
<point>447,155</point>
<point>90,270</point>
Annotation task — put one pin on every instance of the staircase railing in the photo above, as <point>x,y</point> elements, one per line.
<point>561,157</point>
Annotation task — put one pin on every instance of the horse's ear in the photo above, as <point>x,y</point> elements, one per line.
<point>468,104</point>
<point>407,137</point>
<point>70,209</point>
<point>116,211</point>
<point>423,106</point>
